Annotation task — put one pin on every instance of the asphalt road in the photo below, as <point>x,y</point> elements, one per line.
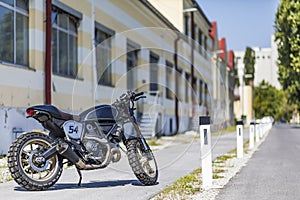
<point>118,182</point>
<point>273,172</point>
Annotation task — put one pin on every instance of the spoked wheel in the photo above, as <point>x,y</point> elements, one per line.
<point>143,163</point>
<point>26,166</point>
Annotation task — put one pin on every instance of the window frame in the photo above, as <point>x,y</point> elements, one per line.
<point>154,87</point>
<point>200,40</point>
<point>132,52</point>
<point>169,74</point>
<point>187,77</point>
<point>69,12</point>
<point>109,33</point>
<point>17,10</point>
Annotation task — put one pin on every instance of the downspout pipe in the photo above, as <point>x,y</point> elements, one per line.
<point>48,68</point>
<point>192,60</point>
<point>176,81</point>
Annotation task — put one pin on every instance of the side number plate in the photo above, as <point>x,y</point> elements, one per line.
<point>72,129</point>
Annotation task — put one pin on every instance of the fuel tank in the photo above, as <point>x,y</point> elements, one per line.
<point>102,113</point>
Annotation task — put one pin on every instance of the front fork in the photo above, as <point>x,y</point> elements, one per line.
<point>139,135</point>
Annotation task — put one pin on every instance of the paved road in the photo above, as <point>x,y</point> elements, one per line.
<point>273,172</point>
<point>118,182</point>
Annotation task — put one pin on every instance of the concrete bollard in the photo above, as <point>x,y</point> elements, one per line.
<point>256,132</point>
<point>251,135</point>
<point>239,139</point>
<point>206,157</point>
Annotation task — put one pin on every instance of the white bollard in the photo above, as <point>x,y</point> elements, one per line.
<point>261,130</point>
<point>256,132</point>
<point>239,139</point>
<point>251,135</point>
<point>206,157</point>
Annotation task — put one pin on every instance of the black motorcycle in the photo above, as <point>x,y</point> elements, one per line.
<point>88,141</point>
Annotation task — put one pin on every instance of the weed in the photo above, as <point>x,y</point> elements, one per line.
<point>216,176</point>
<point>153,142</point>
<point>218,170</point>
<point>189,184</point>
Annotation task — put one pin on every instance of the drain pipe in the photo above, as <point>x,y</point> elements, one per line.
<point>48,70</point>
<point>176,82</point>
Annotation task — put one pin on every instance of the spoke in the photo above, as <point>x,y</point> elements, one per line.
<point>25,161</point>
<point>27,167</point>
<point>25,152</point>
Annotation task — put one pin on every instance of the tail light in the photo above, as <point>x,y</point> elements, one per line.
<point>30,112</point>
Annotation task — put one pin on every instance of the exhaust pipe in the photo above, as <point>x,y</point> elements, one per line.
<point>65,150</point>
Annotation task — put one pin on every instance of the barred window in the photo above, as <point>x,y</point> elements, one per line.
<point>64,43</point>
<point>14,36</point>
<point>103,55</point>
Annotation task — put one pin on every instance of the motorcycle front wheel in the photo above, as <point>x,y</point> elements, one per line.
<point>25,165</point>
<point>143,163</point>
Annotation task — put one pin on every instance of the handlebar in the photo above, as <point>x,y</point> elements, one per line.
<point>138,94</point>
<point>141,97</point>
<point>130,95</point>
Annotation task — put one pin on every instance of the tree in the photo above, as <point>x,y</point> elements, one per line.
<point>287,35</point>
<point>249,62</point>
<point>268,101</point>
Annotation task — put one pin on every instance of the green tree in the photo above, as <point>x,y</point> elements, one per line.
<point>287,35</point>
<point>249,62</point>
<point>268,101</point>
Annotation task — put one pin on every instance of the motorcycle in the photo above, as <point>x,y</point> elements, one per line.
<point>90,140</point>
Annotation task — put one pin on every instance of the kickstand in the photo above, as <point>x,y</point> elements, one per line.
<point>80,176</point>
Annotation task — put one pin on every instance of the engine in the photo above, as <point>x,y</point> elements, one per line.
<point>99,148</point>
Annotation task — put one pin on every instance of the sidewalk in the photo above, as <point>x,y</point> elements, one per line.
<point>272,173</point>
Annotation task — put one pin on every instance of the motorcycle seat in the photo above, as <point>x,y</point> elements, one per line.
<point>55,112</point>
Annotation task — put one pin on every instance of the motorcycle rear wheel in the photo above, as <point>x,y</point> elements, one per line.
<point>143,164</point>
<point>23,166</point>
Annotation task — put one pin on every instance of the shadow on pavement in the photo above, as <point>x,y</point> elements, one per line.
<point>92,184</point>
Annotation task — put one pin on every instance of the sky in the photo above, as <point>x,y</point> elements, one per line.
<point>242,22</point>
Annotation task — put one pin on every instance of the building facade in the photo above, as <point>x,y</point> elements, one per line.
<point>266,64</point>
<point>100,49</point>
<point>265,69</point>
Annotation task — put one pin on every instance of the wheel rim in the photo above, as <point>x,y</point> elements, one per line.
<point>147,161</point>
<point>28,157</point>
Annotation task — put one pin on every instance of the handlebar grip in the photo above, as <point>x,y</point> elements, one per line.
<point>140,98</point>
<point>139,94</point>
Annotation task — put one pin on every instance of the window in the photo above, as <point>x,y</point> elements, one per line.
<point>132,62</point>
<point>205,46</point>
<point>64,43</point>
<point>103,54</point>
<point>187,82</point>
<point>169,75</point>
<point>205,94</point>
<point>180,83</point>
<point>200,92</point>
<point>186,25</point>
<point>200,40</point>
<point>14,37</point>
<point>154,71</point>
